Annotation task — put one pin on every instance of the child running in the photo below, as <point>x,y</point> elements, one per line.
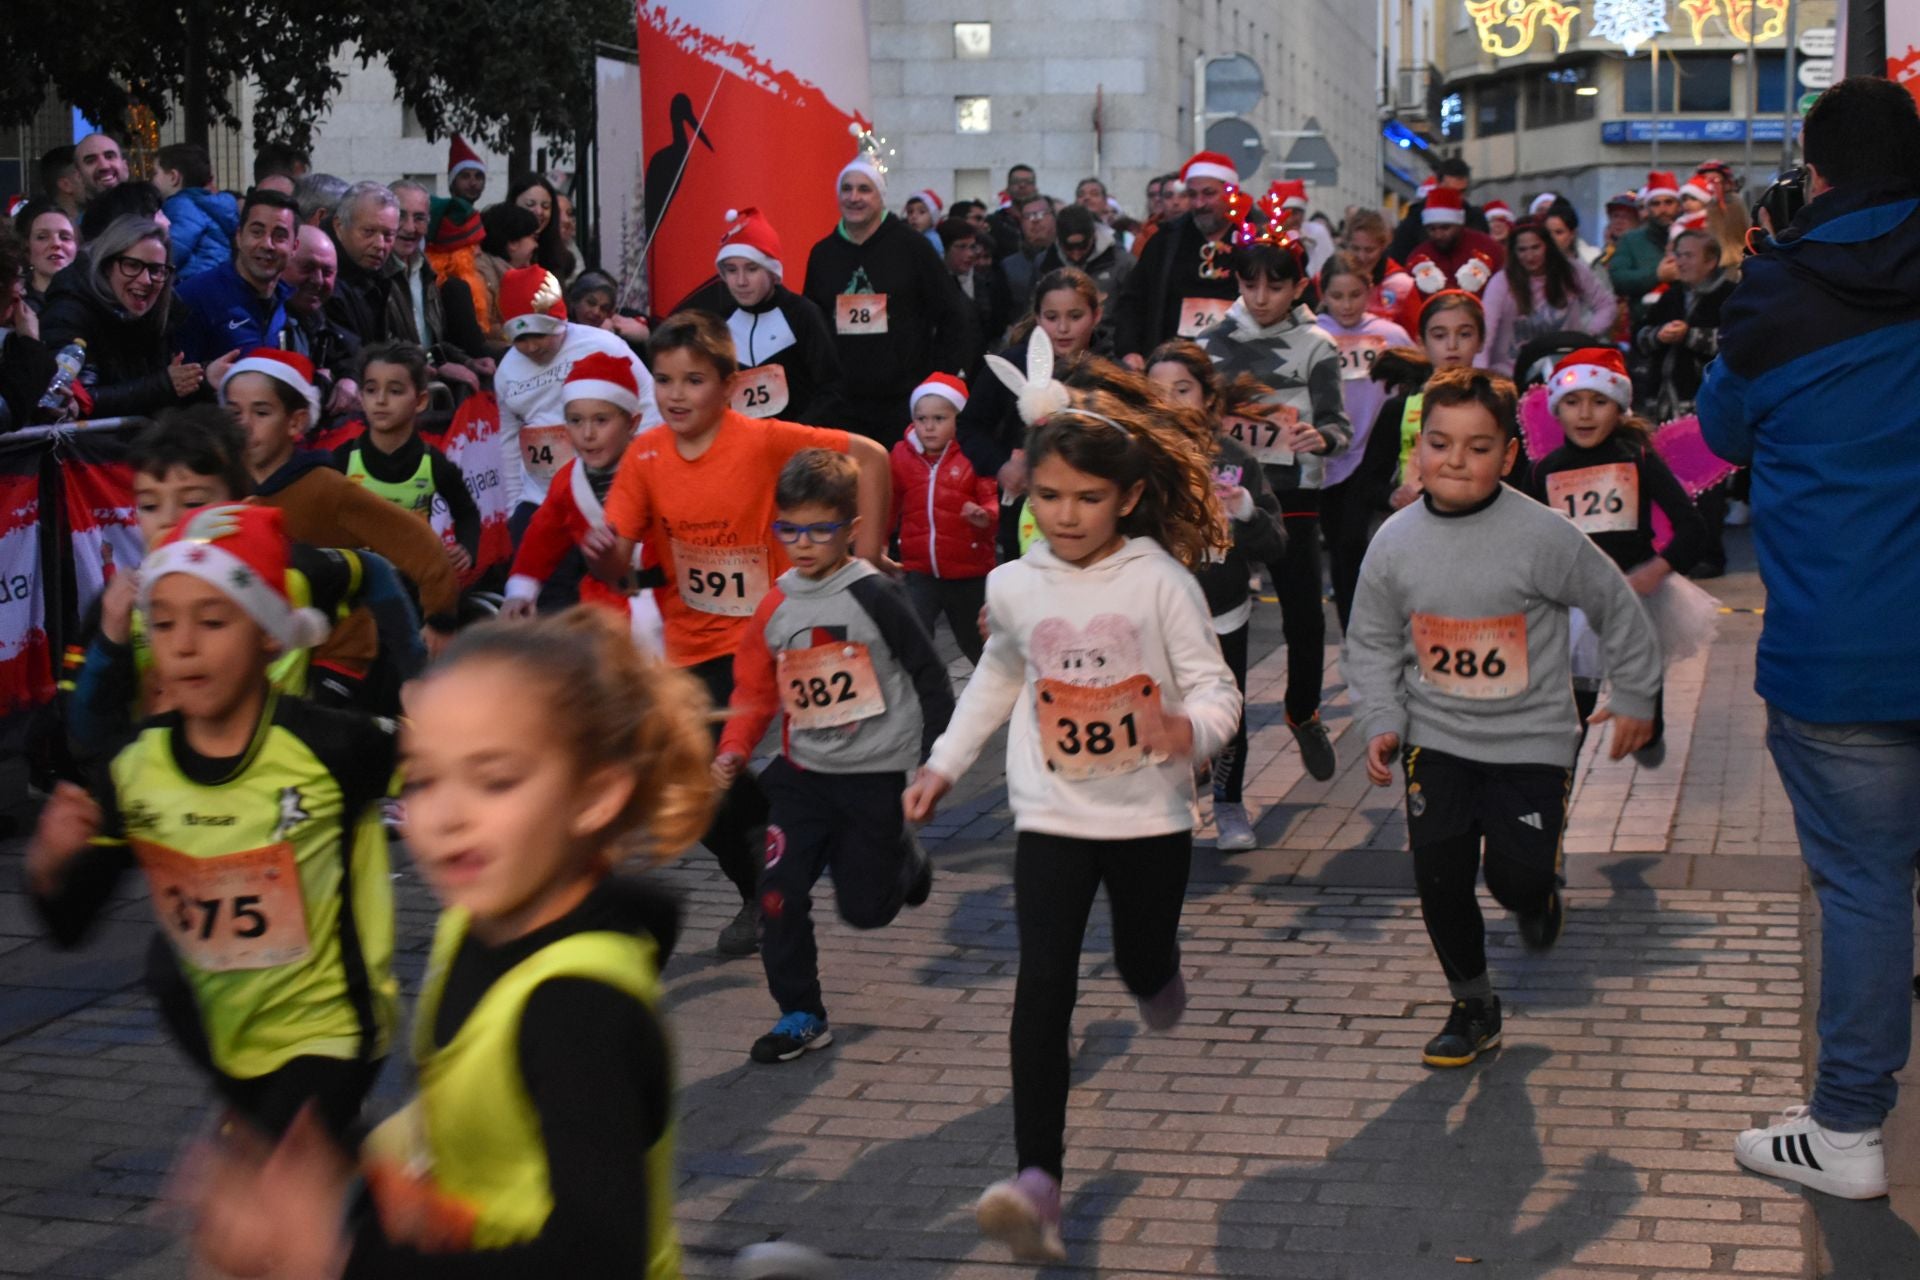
<point>1102,654</point>
<point>1346,511</point>
<point>540,1143</point>
<point>391,461</point>
<point>698,491</point>
<point>1186,377</point>
<point>947,516</point>
<point>256,820</point>
<point>835,650</point>
<point>1608,480</point>
<point>1458,662</point>
<point>1269,334</point>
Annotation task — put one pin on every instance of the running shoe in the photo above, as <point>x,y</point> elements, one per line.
<point>1800,1149</point>
<point>1473,1027</point>
<point>1541,929</point>
<point>1230,821</point>
<point>741,937</point>
<point>1165,1007</point>
<point>1023,1213</point>
<point>793,1035</point>
<point>919,870</point>
<point>1316,748</point>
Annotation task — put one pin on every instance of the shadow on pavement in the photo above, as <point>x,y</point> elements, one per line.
<point>1865,1239</point>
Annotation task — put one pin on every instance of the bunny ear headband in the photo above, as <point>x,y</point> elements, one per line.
<point>1036,392</point>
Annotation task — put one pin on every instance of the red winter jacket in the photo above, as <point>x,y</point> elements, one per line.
<point>934,537</point>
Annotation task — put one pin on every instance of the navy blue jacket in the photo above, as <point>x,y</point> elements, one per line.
<point>1814,388</point>
<point>219,311</point>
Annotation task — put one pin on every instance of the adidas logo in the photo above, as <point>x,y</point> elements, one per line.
<point>1533,820</point>
<point>1793,1148</point>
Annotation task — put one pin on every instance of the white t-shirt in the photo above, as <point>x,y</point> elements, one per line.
<point>533,433</point>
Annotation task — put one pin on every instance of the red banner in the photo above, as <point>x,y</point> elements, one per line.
<point>101,528</point>
<point>26,670</point>
<point>472,443</point>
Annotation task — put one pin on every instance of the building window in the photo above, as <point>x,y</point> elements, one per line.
<point>1773,83</point>
<point>972,39</point>
<point>1688,82</point>
<point>1555,96</point>
<point>1706,83</point>
<point>1453,117</point>
<point>1495,109</point>
<point>973,115</point>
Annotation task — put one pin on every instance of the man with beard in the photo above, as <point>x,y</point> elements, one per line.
<point>1182,283</point>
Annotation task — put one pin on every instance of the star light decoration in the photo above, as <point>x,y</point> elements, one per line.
<point>871,143</point>
<point>1629,23</point>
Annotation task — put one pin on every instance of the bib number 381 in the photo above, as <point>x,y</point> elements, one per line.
<point>1093,731</point>
<point>729,581</point>
<point>236,911</point>
<point>829,685</point>
<point>1483,658</point>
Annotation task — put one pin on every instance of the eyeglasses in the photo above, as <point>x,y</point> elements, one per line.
<point>1038,215</point>
<point>818,534</point>
<point>132,268</point>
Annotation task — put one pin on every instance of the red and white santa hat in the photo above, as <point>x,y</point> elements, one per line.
<point>1591,369</point>
<point>1209,164</point>
<point>461,156</point>
<point>1697,190</point>
<point>289,368</point>
<point>1498,209</point>
<point>531,303</point>
<point>1694,221</point>
<point>944,385</point>
<point>862,164</point>
<point>1444,204</point>
<point>600,375</point>
<point>1291,193</point>
<point>242,550</point>
<point>1659,184</point>
<point>751,237</point>
<point>930,198</point>
<point>1541,203</point>
<point>1425,189</point>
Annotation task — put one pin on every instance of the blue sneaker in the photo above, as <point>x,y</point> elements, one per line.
<point>793,1035</point>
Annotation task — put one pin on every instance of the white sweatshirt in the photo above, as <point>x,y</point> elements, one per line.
<point>1136,615</point>
<point>530,406</point>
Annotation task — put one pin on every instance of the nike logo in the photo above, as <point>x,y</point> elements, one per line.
<point>235,324</point>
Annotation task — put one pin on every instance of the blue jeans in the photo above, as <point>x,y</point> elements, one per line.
<point>1855,790</point>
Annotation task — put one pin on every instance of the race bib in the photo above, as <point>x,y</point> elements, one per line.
<point>1483,658</point>
<point>1200,314</point>
<point>761,391</point>
<point>829,685</point>
<point>723,580</point>
<point>544,450</point>
<point>1598,499</point>
<point>1092,731</point>
<point>1358,351</point>
<point>1266,438</point>
<point>860,313</point>
<point>237,911</point>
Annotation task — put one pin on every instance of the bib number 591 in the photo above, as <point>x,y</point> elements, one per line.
<point>713,583</point>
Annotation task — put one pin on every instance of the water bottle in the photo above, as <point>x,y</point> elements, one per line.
<point>59,396</point>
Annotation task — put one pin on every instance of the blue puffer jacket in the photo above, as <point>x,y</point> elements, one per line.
<point>203,227</point>
<point>1815,389</point>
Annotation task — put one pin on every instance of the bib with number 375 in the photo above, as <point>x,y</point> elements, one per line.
<point>1093,731</point>
<point>1484,658</point>
<point>237,911</point>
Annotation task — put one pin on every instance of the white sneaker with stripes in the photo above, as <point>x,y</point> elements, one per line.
<point>1850,1165</point>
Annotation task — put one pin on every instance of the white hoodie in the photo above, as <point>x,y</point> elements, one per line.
<point>533,417</point>
<point>1137,613</point>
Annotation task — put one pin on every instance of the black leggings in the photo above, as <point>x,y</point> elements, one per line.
<point>1230,766</point>
<point>742,815</point>
<point>1346,513</point>
<point>1054,882</point>
<point>961,599</point>
<point>1303,619</point>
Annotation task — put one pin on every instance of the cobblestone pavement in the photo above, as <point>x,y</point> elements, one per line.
<point>1285,1129</point>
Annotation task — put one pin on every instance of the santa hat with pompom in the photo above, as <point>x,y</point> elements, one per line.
<point>944,385</point>
<point>242,551</point>
<point>1498,210</point>
<point>531,303</point>
<point>1591,369</point>
<point>1659,184</point>
<point>1209,164</point>
<point>751,237</point>
<point>289,368</point>
<point>1425,189</point>
<point>461,156</point>
<point>601,375</point>
<point>1444,205</point>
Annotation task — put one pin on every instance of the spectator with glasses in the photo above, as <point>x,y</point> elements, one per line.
<point>119,300</point>
<point>1036,255</point>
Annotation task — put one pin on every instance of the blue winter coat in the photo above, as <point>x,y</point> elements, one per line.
<point>1815,389</point>
<point>204,223</point>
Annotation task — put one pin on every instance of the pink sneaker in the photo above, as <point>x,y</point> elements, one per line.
<point>1023,1213</point>
<point>1165,1007</point>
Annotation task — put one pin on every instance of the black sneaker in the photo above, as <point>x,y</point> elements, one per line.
<point>1472,1028</point>
<point>1316,748</point>
<point>919,870</point>
<point>1541,929</point>
<point>1653,755</point>
<point>741,937</point>
<point>793,1035</point>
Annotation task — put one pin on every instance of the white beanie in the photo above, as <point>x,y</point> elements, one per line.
<point>864,165</point>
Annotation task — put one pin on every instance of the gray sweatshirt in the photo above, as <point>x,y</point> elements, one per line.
<point>1444,599</point>
<point>1299,361</point>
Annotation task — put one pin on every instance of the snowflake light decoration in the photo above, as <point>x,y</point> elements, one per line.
<point>1629,23</point>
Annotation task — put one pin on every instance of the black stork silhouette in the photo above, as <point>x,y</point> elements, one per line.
<point>667,164</point>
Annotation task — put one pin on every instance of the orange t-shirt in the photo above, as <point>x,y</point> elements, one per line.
<point>710,523</point>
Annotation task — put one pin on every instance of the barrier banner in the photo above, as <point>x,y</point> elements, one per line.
<point>97,501</point>
<point>472,443</point>
<point>26,666</point>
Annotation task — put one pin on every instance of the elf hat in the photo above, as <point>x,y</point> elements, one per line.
<point>289,368</point>
<point>242,550</point>
<point>749,236</point>
<point>1498,209</point>
<point>1659,184</point>
<point>944,385</point>
<point>1292,193</point>
<point>531,303</point>
<point>1541,203</point>
<point>1591,369</point>
<point>461,156</point>
<point>1444,205</point>
<point>452,224</point>
<point>603,376</point>
<point>1209,164</point>
<point>863,164</point>
<point>929,198</point>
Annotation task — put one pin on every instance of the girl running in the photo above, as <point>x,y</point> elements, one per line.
<point>1452,330</point>
<point>537,756</point>
<point>1186,377</point>
<point>1102,655</point>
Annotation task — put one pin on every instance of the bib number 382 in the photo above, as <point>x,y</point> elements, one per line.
<point>236,911</point>
<point>1093,731</point>
<point>1482,658</point>
<point>829,685</point>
